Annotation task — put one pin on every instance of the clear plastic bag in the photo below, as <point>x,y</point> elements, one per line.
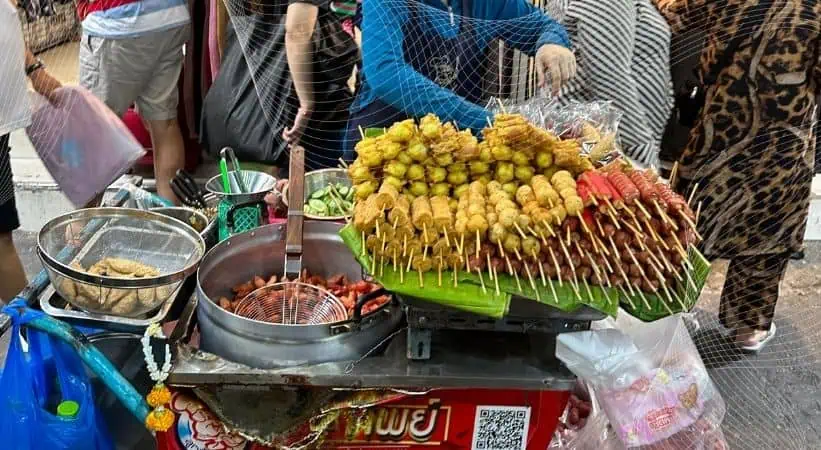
<point>650,381</point>
<point>82,143</point>
<point>34,381</point>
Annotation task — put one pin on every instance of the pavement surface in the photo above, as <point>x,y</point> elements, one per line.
<point>773,398</point>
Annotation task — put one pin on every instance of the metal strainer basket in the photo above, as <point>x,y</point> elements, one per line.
<point>118,261</point>
<point>292,303</point>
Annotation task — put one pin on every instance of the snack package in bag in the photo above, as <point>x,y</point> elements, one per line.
<point>82,143</point>
<point>45,395</point>
<point>650,381</point>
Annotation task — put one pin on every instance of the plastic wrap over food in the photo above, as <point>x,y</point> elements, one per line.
<point>595,124</point>
<point>650,381</point>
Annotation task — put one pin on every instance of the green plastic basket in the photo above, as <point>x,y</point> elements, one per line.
<point>245,218</point>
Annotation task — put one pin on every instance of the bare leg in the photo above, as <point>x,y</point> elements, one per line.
<point>169,154</point>
<point>11,269</point>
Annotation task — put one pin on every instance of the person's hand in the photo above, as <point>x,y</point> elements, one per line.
<point>559,62</point>
<point>45,85</point>
<point>293,135</point>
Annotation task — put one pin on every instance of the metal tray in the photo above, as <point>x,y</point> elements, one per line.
<point>54,305</point>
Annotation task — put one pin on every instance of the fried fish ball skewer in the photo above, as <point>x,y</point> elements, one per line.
<point>422,215</point>
<point>399,215</point>
<point>442,217</point>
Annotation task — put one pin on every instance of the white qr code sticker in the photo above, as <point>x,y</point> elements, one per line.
<point>501,428</point>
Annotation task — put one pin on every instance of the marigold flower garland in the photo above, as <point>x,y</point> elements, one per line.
<point>160,418</point>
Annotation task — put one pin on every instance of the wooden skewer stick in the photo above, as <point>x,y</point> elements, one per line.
<point>568,235</point>
<point>467,263</point>
<point>461,243</point>
<point>382,264</point>
<point>376,224</point>
<point>679,247</point>
<point>519,229</point>
<point>553,291</point>
<point>361,131</point>
<point>395,259</point>
<point>698,212</point>
<point>456,276</point>
<point>543,238</point>
<point>621,270</point>
<point>692,225</point>
<point>673,174</point>
<point>655,236</point>
<point>665,217</point>
<point>421,278</point>
<point>611,211</point>
<point>343,164</point>
<point>663,282</point>
<point>692,194</point>
<point>425,252</point>
<point>410,260</point>
<point>636,262</point>
<point>593,199</point>
<point>556,264</point>
<point>549,228</point>
<point>587,287</point>
<point>401,273</point>
<point>447,238</point>
<point>643,298</point>
<point>603,247</point>
<point>364,244</point>
<point>627,297</point>
<point>596,269</point>
<point>439,280</point>
<point>478,244</point>
<point>532,282</point>
<point>489,272</point>
<point>541,269</point>
<point>518,255</point>
<point>575,282</point>
<point>481,280</point>
<point>643,210</point>
<point>425,232</point>
<point>584,224</point>
<point>515,275</point>
<point>404,245</point>
<point>495,280</point>
<point>601,228</point>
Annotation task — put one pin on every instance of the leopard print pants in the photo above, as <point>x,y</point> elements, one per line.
<point>751,290</point>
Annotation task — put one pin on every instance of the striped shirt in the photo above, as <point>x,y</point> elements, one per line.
<point>121,19</point>
<point>623,53</point>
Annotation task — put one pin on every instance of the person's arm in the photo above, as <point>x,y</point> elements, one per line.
<point>43,83</point>
<point>300,22</point>
<point>605,43</point>
<point>394,81</point>
<point>525,27</point>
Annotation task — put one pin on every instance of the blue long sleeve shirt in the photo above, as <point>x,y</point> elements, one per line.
<point>388,77</point>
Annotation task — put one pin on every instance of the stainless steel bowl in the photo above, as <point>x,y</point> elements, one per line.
<point>258,184</point>
<point>170,247</point>
<point>319,179</point>
<point>207,228</point>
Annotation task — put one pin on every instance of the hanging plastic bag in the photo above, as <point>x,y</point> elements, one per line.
<point>82,143</point>
<point>650,381</point>
<point>37,388</point>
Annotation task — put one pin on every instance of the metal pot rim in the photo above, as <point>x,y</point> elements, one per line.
<point>111,282</point>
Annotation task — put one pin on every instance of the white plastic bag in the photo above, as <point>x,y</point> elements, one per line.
<point>82,143</point>
<point>650,381</point>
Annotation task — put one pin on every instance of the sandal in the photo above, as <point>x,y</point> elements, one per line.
<point>755,346</point>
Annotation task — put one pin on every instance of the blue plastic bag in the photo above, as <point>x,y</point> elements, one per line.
<point>33,382</point>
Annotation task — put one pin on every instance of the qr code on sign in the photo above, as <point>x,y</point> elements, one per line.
<point>501,428</point>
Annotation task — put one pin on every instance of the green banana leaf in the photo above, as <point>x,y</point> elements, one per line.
<point>688,292</point>
<point>469,295</point>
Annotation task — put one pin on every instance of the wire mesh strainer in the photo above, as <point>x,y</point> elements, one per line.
<point>292,303</point>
